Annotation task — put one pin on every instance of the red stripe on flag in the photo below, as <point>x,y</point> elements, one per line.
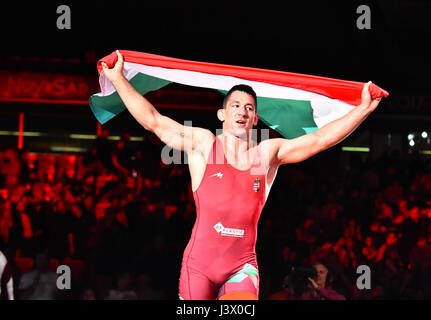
<point>347,91</point>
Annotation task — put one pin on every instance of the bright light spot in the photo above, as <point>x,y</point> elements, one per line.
<point>411,143</point>
<point>356,149</point>
<point>410,136</point>
<point>424,134</point>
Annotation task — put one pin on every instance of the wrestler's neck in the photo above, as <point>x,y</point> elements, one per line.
<point>234,143</point>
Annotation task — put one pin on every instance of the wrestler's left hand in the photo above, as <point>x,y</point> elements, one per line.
<point>367,101</point>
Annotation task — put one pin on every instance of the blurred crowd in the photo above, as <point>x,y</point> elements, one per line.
<point>121,218</point>
<point>371,213</point>
<point>117,214</point>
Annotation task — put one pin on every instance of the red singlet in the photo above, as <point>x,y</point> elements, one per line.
<point>220,257</point>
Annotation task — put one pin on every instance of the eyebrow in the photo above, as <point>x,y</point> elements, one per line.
<point>248,104</point>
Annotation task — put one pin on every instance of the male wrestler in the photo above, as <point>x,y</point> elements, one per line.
<point>231,177</point>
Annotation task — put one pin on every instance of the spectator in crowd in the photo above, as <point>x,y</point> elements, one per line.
<point>88,294</point>
<point>297,287</point>
<point>39,283</point>
<point>420,254</point>
<point>369,251</point>
<point>123,290</point>
<point>319,288</point>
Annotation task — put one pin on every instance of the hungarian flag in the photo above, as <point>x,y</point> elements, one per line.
<point>292,104</point>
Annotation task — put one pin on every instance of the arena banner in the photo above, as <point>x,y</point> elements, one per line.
<point>39,87</point>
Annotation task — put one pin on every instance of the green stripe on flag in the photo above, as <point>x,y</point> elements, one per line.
<point>106,107</point>
<point>291,118</point>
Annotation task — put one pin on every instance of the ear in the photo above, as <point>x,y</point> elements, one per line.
<point>220,114</point>
<point>256,119</point>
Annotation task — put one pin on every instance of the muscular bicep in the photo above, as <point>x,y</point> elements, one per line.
<point>178,136</point>
<point>296,150</point>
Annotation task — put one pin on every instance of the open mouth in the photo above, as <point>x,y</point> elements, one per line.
<point>240,122</point>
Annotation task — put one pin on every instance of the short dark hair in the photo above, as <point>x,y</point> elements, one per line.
<point>243,88</point>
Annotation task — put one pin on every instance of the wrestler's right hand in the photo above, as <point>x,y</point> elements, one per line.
<point>115,73</point>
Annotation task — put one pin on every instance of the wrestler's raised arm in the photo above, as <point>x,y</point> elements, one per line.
<point>166,129</point>
<point>283,151</point>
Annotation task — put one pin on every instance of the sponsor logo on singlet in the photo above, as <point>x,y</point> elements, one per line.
<point>218,175</point>
<point>228,232</point>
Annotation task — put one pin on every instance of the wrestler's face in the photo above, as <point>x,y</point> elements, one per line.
<point>239,114</point>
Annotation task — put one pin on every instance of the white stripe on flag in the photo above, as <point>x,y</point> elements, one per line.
<point>325,109</point>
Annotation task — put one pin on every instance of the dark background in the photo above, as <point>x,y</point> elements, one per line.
<point>298,36</point>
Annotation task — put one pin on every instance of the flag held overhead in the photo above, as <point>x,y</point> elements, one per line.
<point>292,103</point>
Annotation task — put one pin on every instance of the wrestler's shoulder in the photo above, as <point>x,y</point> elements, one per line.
<point>271,146</point>
<point>203,134</point>
<point>270,143</point>
<point>205,138</point>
